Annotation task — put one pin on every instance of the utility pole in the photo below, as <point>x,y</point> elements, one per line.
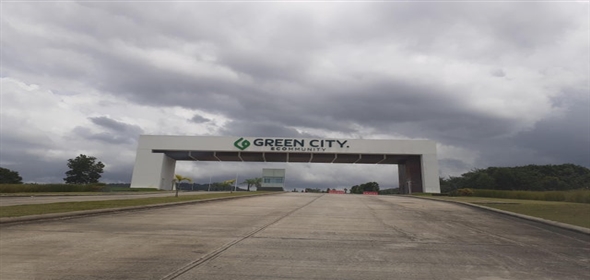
<point>236,183</point>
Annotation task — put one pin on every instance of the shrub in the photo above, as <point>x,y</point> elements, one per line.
<point>579,196</point>
<point>462,192</point>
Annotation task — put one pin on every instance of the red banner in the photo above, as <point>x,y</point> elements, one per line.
<point>336,192</point>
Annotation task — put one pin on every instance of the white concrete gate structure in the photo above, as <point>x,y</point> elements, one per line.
<point>157,155</point>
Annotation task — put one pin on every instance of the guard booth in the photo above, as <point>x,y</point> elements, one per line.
<point>272,180</point>
<point>156,158</point>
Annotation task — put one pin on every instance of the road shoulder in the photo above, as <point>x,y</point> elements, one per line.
<point>76,214</point>
<point>517,215</point>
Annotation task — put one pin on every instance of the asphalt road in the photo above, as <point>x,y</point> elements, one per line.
<point>43,199</point>
<point>295,236</point>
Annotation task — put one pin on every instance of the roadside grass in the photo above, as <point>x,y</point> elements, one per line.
<point>78,193</point>
<point>61,207</point>
<point>564,212</point>
<point>18,188</point>
<point>67,188</point>
<point>579,196</point>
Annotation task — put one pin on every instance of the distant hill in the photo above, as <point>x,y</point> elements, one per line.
<point>528,178</point>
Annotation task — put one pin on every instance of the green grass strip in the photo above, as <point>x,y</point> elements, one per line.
<point>77,193</point>
<point>564,212</point>
<point>61,207</point>
<point>67,188</point>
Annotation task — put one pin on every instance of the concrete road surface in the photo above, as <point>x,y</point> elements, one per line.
<point>295,236</point>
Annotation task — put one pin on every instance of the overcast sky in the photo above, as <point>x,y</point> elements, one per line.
<point>494,84</point>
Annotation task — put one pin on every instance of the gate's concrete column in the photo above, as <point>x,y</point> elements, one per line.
<point>402,179</point>
<point>167,174</point>
<point>414,174</point>
<point>152,170</point>
<point>430,180</point>
<point>421,172</point>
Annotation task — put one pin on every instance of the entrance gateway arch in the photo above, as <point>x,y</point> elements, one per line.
<point>157,155</point>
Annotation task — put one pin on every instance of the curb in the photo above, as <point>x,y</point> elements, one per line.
<point>86,213</point>
<point>42,194</point>
<point>578,229</point>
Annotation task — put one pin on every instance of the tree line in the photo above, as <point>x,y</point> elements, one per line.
<point>83,170</point>
<point>526,178</point>
<point>87,170</point>
<point>366,187</point>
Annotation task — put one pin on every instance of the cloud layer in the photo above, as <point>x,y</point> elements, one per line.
<point>495,84</point>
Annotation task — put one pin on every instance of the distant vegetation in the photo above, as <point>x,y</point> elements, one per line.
<point>522,178</point>
<point>83,170</point>
<point>579,196</point>
<point>389,191</point>
<point>366,187</point>
<point>566,182</point>
<point>8,176</point>
<point>256,182</point>
<point>39,188</point>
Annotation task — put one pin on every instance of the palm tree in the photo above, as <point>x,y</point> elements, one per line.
<point>227,184</point>
<point>250,182</point>
<point>177,179</point>
<point>257,182</point>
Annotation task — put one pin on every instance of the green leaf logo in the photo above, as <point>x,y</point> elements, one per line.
<point>242,144</point>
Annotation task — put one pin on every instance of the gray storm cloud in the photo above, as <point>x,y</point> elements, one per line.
<point>507,82</point>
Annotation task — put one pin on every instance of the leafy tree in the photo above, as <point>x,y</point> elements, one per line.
<point>370,187</point>
<point>217,186</point>
<point>257,182</point>
<point>551,183</point>
<point>8,176</point>
<point>451,184</point>
<point>485,181</point>
<point>177,179</point>
<point>529,178</point>
<point>366,187</point>
<point>222,186</point>
<point>83,170</point>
